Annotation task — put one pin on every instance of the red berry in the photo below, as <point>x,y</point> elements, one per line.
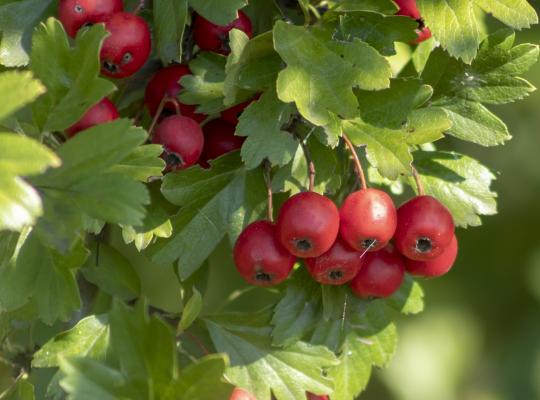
<point>166,83</point>
<point>311,396</point>
<point>102,112</point>
<point>75,14</point>
<point>423,35</point>
<point>381,274</point>
<point>308,224</point>
<point>241,394</point>
<point>182,139</point>
<point>259,256</point>
<point>425,228</point>
<point>436,267</point>
<point>219,139</point>
<point>211,37</point>
<point>232,114</point>
<point>368,219</point>
<point>408,8</point>
<point>128,46</point>
<point>337,266</point>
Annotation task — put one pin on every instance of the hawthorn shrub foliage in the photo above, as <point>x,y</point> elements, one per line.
<point>90,229</point>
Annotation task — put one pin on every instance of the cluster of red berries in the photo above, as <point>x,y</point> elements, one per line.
<point>126,50</point>
<point>352,244</point>
<point>241,394</point>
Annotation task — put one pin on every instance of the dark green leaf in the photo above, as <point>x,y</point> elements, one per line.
<point>169,21</point>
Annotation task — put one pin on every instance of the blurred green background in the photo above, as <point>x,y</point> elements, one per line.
<point>479,337</point>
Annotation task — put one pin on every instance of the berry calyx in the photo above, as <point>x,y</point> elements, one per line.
<point>232,114</point>
<point>368,219</point>
<point>381,274</point>
<point>182,139</point>
<point>100,113</point>
<point>308,224</point>
<point>241,394</point>
<point>259,256</point>
<point>425,228</point>
<point>74,14</point>
<point>438,266</point>
<point>219,139</point>
<point>337,266</point>
<point>166,83</point>
<point>128,46</point>
<point>211,37</point>
<point>408,8</point>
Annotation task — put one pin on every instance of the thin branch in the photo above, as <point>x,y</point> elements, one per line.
<point>357,163</point>
<point>268,181</point>
<point>419,183</point>
<point>311,166</point>
<point>161,106</point>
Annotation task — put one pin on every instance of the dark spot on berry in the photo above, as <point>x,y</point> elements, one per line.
<point>78,9</point>
<point>368,243</point>
<point>263,277</point>
<point>128,57</point>
<point>110,67</point>
<point>87,25</point>
<point>173,160</point>
<point>335,274</point>
<point>423,245</point>
<point>303,244</point>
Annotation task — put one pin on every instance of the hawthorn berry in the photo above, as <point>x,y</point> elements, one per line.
<point>337,266</point>
<point>436,267</point>
<point>381,274</point>
<point>368,219</point>
<point>219,139</point>
<point>165,83</point>
<point>211,37</point>
<point>408,8</point>
<point>182,139</point>
<point>241,394</point>
<point>100,113</point>
<point>308,224</point>
<point>259,256</point>
<point>128,46</point>
<point>425,228</point>
<point>311,396</point>
<point>74,14</point>
<point>423,34</point>
<point>232,114</point>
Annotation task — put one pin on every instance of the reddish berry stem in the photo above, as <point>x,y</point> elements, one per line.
<point>419,183</point>
<point>311,165</point>
<point>268,181</point>
<point>357,163</point>
<point>164,101</point>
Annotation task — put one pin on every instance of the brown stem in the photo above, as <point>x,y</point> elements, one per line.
<point>357,163</point>
<point>311,165</point>
<point>139,7</point>
<point>268,181</point>
<point>419,183</point>
<point>161,106</point>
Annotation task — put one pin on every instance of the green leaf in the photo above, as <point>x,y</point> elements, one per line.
<point>253,65</point>
<point>518,14</point>
<point>454,24</point>
<point>378,30</point>
<point>144,346</point>
<point>17,20</point>
<point>206,86</point>
<point>87,379</point>
<point>71,76</point>
<point>45,277</point>
<point>409,299</point>
<point>202,380</point>
<point>170,18</point>
<point>459,182</point>
<point>20,155</point>
<point>387,150</point>
<point>191,311</point>
<point>474,123</point>
<point>220,12</point>
<point>20,204</point>
<point>89,338</point>
<point>381,6</point>
<point>390,108</point>
<point>142,164</point>
<point>319,66</point>
<point>18,89</point>
<point>22,390</point>
<point>108,269</point>
<point>259,368</point>
<point>262,124</point>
